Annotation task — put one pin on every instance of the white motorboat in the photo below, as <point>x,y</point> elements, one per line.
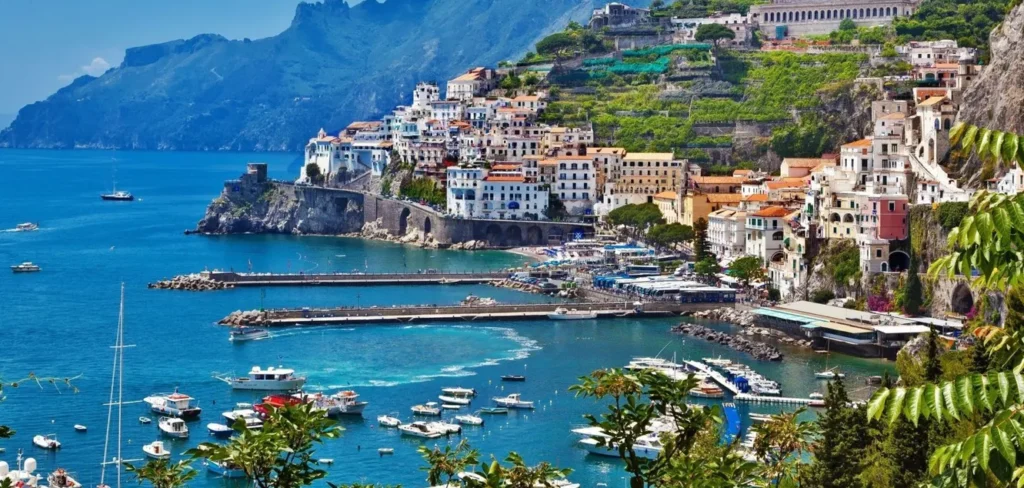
<point>342,403</point>
<point>445,427</point>
<point>816,396</point>
<point>648,446</point>
<point>173,427</point>
<point>719,361</point>
<point>453,400</point>
<point>270,379</point>
<point>27,227</point>
<point>469,420</point>
<point>156,450</point>
<point>449,406</point>
<point>145,420</point>
<point>26,267</point>
<point>22,475</point>
<point>48,441</point>
<point>390,420</point>
<point>429,408</point>
<point>562,313</point>
<point>61,479</point>
<point>248,415</point>
<point>243,333</point>
<point>512,401</point>
<point>419,429</point>
<point>386,450</point>
<point>458,391</point>
<point>173,405</point>
<point>219,430</point>
<point>80,428</point>
<point>829,374</point>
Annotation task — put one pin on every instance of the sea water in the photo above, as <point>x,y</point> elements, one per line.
<point>61,322</point>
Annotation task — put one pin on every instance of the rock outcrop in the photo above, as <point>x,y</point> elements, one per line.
<point>247,317</point>
<point>757,349</point>
<point>190,282</point>
<point>743,318</point>
<point>278,208</point>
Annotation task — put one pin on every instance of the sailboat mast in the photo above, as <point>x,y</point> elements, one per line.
<point>120,382</point>
<point>110,401</point>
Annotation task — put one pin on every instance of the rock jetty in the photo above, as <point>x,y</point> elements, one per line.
<point>247,317</point>
<point>736,316</point>
<point>191,282</point>
<point>758,350</point>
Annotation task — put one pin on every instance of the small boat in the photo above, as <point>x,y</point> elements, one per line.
<point>173,405</point>
<point>512,401</point>
<point>562,313</point>
<point>26,227</point>
<point>80,428</point>
<point>342,403</point>
<point>225,469</point>
<point>707,390</point>
<point>469,420</point>
<point>445,427</point>
<point>390,420</point>
<point>385,450</point>
<point>718,362</point>
<point>829,374</point>
<point>173,427</point>
<point>454,400</point>
<point>816,396</point>
<point>26,267</point>
<point>48,441</point>
<point>513,377</point>
<point>219,430</point>
<point>816,403</point>
<point>458,391</point>
<point>270,379</point>
<point>145,420</point>
<point>243,333</point>
<point>648,447</point>
<point>156,450</point>
<point>759,418</point>
<point>61,479</point>
<point>429,408</point>
<point>419,429</point>
<point>118,196</point>
<point>450,406</point>
<point>494,410</point>
<point>327,461</point>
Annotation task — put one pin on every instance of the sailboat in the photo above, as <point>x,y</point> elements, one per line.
<point>116,379</point>
<point>828,373</point>
<point>115,195</point>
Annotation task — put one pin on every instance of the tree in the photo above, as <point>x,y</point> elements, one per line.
<point>842,443</point>
<point>669,235</point>
<point>847,24</point>
<point>707,268</point>
<point>747,269</point>
<point>313,174</point>
<point>442,466</point>
<point>637,217</point>
<point>556,209</point>
<point>511,82</point>
<point>556,44</point>
<point>780,442</point>
<point>713,33</point>
<point>701,246</point>
<point>912,293</point>
<point>932,365</point>
<point>162,474</point>
<point>280,455</point>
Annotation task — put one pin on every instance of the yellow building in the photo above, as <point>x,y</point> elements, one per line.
<point>666,202</point>
<point>696,206</point>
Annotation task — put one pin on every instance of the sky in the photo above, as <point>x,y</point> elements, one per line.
<point>44,44</point>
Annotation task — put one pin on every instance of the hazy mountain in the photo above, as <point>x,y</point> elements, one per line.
<point>333,64</point>
<point>5,120</point>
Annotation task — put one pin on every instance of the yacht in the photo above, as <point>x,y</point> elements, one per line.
<point>469,420</point>
<point>156,450</point>
<point>419,429</point>
<point>512,401</point>
<point>513,377</point>
<point>829,374</point>
<point>26,267</point>
<point>341,403</point>
<point>225,469</point>
<point>243,333</point>
<point>22,475</point>
<point>61,479</point>
<point>816,396</point>
<point>48,441</point>
<point>445,427</point>
<point>562,313</point>
<point>26,227</point>
<point>459,391</point>
<point>429,408</point>
<point>173,405</point>
<point>118,196</point>
<point>390,420</point>
<point>173,427</point>
<point>648,447</point>
<point>270,379</point>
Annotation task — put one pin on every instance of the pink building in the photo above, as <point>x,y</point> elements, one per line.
<point>891,213</point>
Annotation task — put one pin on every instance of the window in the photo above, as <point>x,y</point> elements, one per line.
<point>892,206</point>
<point>878,253</point>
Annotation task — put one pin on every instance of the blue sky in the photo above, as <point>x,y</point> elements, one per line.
<point>44,44</point>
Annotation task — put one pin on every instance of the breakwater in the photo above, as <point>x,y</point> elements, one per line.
<point>467,313</point>
<point>739,343</point>
<point>219,280</point>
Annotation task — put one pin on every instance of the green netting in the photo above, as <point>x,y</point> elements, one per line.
<point>598,62</point>
<point>656,67</point>
<point>663,50</point>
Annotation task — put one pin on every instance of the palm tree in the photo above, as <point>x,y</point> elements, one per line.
<point>442,466</point>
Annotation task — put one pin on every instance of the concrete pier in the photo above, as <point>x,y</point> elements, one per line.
<point>454,313</point>
<point>230,279</point>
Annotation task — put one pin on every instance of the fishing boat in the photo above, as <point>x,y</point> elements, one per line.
<point>156,450</point>
<point>648,447</point>
<point>513,377</point>
<point>270,379</point>
<point>707,389</point>
<point>429,408</point>
<point>225,469</point>
<point>512,401</point>
<point>243,333</point>
<point>390,420</point>
<point>145,420</point>
<point>445,428</point>
<point>173,427</point>
<point>562,313</point>
<point>419,429</point>
<point>48,441</point>
<point>469,420</point>
<point>26,267</point>
<point>26,227</point>
<point>219,430</point>
<point>80,428</point>
<point>61,479</point>
<point>494,410</point>
<point>174,404</point>
<point>829,374</point>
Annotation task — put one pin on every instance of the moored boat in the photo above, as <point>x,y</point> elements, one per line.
<point>145,420</point>
<point>494,410</point>
<point>419,429</point>
<point>829,374</point>
<point>225,469</point>
<point>244,333</point>
<point>174,404</point>
<point>454,400</point>
<point>173,427</point>
<point>513,377</point>
<point>385,450</point>
<point>270,379</point>
<point>219,430</point>
<point>648,447</point>
<point>390,420</point>
<point>512,401</point>
<point>274,401</point>
<point>562,313</point>
<point>459,391</point>
<point>26,267</point>
<point>445,428</point>
<point>156,450</point>
<point>48,441</point>
<point>469,420</point>
<point>61,479</point>
<point>707,389</point>
<point>80,428</point>
<point>449,406</point>
<point>429,408</point>
<point>118,196</point>
<point>26,227</point>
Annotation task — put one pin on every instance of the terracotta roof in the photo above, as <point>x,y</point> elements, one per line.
<point>526,98</point>
<point>778,185</point>
<point>772,212</point>
<point>807,163</point>
<point>742,172</point>
<point>605,150</point>
<point>822,166</point>
<point>860,143</point>
<point>757,197</point>
<point>923,93</point>
<point>724,198</point>
<point>505,166</point>
<point>666,195</point>
<point>573,158</point>
<point>712,180</point>
<point>931,101</point>
<point>947,65</point>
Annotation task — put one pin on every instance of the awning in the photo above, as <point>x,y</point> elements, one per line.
<point>901,329</point>
<point>843,328</point>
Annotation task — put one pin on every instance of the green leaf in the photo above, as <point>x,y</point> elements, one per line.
<point>980,384</point>
<point>1011,144</point>
<point>984,138</point>
<point>996,146</point>
<point>896,403</point>
<point>949,396</point>
<point>1004,444</point>
<point>913,404</point>
<point>1002,222</point>
<point>1018,380</point>
<point>877,403</point>
<point>956,133</point>
<point>1004,386</point>
<point>970,136</point>
<point>933,399</point>
<point>965,394</point>
<point>983,447</point>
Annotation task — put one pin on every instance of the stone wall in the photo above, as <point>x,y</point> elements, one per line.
<point>806,17</point>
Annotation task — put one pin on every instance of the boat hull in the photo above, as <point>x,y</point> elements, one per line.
<point>267,385</point>
<point>608,451</point>
<point>453,400</point>
<point>153,454</point>
<point>117,198</point>
<point>515,405</point>
<point>225,472</point>
<point>355,408</point>
<point>249,337</point>
<point>184,414</point>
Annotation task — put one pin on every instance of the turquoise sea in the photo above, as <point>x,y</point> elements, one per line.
<point>61,322</point>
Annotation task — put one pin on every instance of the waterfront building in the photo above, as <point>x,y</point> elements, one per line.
<point>1010,182</point>
<point>695,205</point>
<point>575,185</point>
<point>727,233</point>
<point>464,184</point>
<point>765,229</point>
<point>324,151</point>
<point>608,163</point>
<point>506,193</point>
<point>794,18</point>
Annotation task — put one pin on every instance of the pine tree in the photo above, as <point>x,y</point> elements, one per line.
<point>844,439</point>
<point>701,246</point>
<point>912,293</point>
<point>932,366</point>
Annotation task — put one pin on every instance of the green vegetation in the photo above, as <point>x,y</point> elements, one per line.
<point>969,22</point>
<point>669,235</point>
<point>707,268</point>
<point>713,33</point>
<point>810,138</point>
<point>638,218</point>
<point>424,189</point>
<point>700,8</point>
<point>747,269</point>
<point>912,293</point>
<point>822,296</point>
<point>314,174</point>
<point>701,246</point>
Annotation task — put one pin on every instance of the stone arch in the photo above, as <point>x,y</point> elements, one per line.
<point>888,11</point>
<point>513,236</point>
<point>899,261</point>
<point>556,234</point>
<point>340,205</point>
<point>885,267</point>
<point>427,227</point>
<point>534,236</point>
<point>834,217</point>
<point>848,218</point>
<point>493,235</point>
<point>778,257</point>
<point>874,12</point>
<point>403,222</point>
<point>962,299</point>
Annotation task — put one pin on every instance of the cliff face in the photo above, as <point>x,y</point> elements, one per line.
<point>995,98</point>
<point>275,208</point>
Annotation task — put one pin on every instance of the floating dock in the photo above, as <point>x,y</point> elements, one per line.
<point>351,279</point>
<point>748,398</point>
<point>715,375</point>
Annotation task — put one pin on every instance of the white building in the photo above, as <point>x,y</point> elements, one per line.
<point>424,94</point>
<point>686,29</point>
<point>507,194</point>
<point>575,185</point>
<point>464,186</point>
<point>325,152</point>
<point>474,82</point>
<point>727,233</point>
<point>765,230</point>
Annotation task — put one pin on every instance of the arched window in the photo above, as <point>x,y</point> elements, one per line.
<point>848,15</point>
<point>874,12</point>
<point>947,124</point>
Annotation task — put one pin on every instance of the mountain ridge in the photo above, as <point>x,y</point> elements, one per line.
<point>333,64</point>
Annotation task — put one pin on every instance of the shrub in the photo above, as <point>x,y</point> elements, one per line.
<point>822,296</point>
<point>951,213</point>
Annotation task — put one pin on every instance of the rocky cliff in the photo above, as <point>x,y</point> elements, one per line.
<point>995,99</point>
<point>276,208</point>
